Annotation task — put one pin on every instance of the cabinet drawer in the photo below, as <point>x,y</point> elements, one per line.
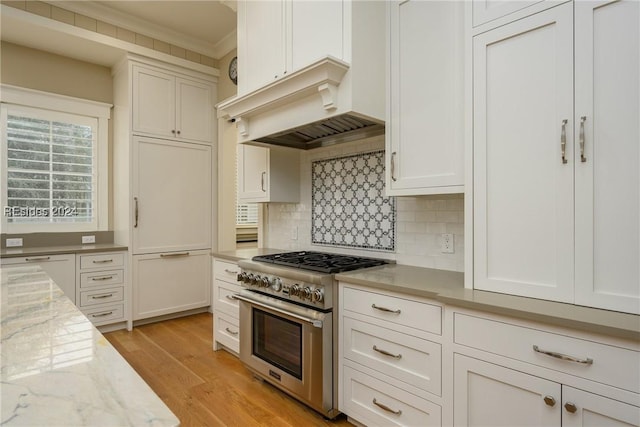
<point>403,357</point>
<point>224,270</point>
<point>414,314</point>
<point>227,331</point>
<point>107,260</point>
<point>101,296</point>
<point>364,399</point>
<point>223,300</point>
<point>611,365</point>
<point>101,278</point>
<point>100,315</point>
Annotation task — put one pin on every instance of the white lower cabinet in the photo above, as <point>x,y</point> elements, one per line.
<point>170,282</point>
<point>226,330</point>
<point>61,268</point>
<point>390,358</point>
<point>508,372</point>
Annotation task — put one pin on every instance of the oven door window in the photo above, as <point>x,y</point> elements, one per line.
<point>278,341</point>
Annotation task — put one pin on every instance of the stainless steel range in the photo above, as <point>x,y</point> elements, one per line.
<point>287,322</point>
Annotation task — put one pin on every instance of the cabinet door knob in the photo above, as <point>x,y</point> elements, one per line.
<point>570,407</point>
<point>549,400</point>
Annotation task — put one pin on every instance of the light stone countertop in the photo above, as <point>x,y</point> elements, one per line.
<point>448,288</point>
<point>58,250</point>
<point>58,369</point>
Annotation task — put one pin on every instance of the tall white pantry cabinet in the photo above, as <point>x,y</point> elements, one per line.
<point>164,129</point>
<point>555,154</point>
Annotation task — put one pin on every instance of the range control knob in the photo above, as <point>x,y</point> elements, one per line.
<point>242,277</point>
<point>265,282</point>
<point>251,279</point>
<point>294,290</point>
<point>306,293</point>
<point>317,296</point>
<point>277,284</point>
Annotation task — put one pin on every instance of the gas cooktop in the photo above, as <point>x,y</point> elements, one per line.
<point>321,262</point>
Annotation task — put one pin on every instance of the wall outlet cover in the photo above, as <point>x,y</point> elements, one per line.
<point>447,243</point>
<point>14,243</point>
<point>88,239</point>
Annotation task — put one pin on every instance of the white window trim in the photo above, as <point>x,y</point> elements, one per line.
<point>65,104</point>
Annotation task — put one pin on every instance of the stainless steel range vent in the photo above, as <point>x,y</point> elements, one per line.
<point>342,128</point>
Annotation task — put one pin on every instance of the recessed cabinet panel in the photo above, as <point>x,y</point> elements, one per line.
<point>193,116</point>
<point>594,410</point>
<point>523,190</point>
<point>172,196</point>
<point>608,180</point>
<point>153,102</point>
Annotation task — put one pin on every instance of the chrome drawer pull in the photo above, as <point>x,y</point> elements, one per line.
<point>96,279</point>
<point>230,271</point>
<point>563,141</point>
<point>393,166</point>
<point>561,356</point>
<point>41,258</point>
<point>102,261</point>
<point>101,296</point>
<point>582,157</point>
<point>108,313</point>
<point>385,407</point>
<point>386,353</point>
<point>388,310</point>
<point>230,331</point>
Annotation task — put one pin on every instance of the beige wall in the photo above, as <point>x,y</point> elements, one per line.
<point>227,135</point>
<point>36,69</point>
<point>40,70</point>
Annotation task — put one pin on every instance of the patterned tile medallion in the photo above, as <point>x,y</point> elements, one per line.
<point>348,206</point>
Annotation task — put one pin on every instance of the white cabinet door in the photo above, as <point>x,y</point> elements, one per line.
<point>253,168</point>
<point>581,409</point>
<point>194,112</point>
<point>425,127</point>
<point>490,395</point>
<point>523,192</point>
<point>61,268</point>
<point>170,283</point>
<point>153,102</point>
<point>261,43</point>
<point>316,31</point>
<point>608,181</point>
<point>172,196</point>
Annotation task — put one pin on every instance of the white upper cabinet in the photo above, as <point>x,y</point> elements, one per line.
<point>168,105</point>
<point>268,175</point>
<point>425,99</point>
<point>607,112</point>
<point>278,37</point>
<point>556,182</point>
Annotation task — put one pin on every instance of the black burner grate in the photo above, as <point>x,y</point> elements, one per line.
<point>321,262</point>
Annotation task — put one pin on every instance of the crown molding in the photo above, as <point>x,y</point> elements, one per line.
<point>114,17</point>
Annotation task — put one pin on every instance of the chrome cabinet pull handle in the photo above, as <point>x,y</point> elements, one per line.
<point>102,314</point>
<point>230,271</point>
<point>179,254</point>
<point>388,310</point>
<point>41,258</point>
<point>232,298</point>
<point>101,296</point>
<point>102,261</point>
<point>97,279</point>
<point>583,119</point>
<point>563,141</point>
<point>135,200</point>
<point>230,331</point>
<point>386,353</point>
<point>386,408</point>
<point>393,166</point>
<point>561,356</point>
<point>263,176</point>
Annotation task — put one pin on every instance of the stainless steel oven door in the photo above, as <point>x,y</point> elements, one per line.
<point>291,347</point>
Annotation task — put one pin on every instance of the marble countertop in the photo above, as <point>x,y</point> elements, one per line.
<point>55,250</point>
<point>58,369</point>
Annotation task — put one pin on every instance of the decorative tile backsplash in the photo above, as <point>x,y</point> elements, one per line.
<point>348,205</point>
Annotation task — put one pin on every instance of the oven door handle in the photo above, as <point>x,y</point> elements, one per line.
<point>315,322</point>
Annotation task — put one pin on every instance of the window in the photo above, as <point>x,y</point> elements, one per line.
<point>247,214</point>
<point>52,160</point>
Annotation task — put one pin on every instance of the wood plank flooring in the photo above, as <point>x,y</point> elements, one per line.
<point>203,387</point>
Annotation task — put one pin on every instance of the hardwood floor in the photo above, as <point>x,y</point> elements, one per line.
<point>203,387</point>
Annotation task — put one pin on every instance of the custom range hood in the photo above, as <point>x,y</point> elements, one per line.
<point>327,102</point>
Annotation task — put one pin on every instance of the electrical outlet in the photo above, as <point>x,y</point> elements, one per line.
<point>447,243</point>
<point>14,243</point>
<point>294,232</point>
<point>88,239</point>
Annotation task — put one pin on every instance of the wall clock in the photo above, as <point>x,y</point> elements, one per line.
<point>233,70</point>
